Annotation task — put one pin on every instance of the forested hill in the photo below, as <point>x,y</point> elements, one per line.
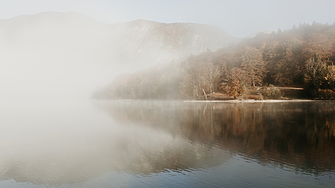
<point>301,56</point>
<point>68,54</point>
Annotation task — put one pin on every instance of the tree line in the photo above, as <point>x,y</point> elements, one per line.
<point>302,56</point>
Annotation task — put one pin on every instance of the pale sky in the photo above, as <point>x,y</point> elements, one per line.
<point>238,17</point>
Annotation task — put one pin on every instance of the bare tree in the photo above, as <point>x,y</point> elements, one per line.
<point>209,74</point>
<point>191,86</point>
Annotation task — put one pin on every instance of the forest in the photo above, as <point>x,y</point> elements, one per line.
<point>301,57</point>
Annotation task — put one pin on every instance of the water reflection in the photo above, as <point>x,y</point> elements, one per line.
<point>299,136</point>
<point>64,144</point>
<point>68,145</point>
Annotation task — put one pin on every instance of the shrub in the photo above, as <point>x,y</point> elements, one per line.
<point>326,94</point>
<point>271,92</point>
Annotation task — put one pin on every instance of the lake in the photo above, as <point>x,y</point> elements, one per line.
<point>134,143</point>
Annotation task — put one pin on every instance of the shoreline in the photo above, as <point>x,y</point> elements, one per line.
<point>251,101</point>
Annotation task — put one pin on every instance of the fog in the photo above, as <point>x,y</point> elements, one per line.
<point>50,56</point>
<point>55,55</point>
<point>51,62</point>
<point>71,143</point>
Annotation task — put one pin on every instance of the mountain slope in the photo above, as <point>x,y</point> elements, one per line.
<point>51,53</point>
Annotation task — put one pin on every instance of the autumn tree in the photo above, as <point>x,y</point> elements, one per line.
<point>320,44</point>
<point>235,84</point>
<point>254,65</point>
<point>315,74</point>
<point>331,76</point>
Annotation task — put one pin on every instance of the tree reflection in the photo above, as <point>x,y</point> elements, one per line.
<point>297,135</point>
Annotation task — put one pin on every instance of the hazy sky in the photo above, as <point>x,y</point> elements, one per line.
<point>238,17</point>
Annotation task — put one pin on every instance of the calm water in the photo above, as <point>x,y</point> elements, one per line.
<point>167,144</point>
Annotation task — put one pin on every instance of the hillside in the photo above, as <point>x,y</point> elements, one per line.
<point>56,52</point>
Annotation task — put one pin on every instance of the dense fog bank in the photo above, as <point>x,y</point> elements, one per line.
<point>68,55</point>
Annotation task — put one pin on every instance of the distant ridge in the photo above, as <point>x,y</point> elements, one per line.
<point>140,40</point>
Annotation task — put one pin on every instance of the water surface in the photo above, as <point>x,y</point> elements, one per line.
<point>167,144</point>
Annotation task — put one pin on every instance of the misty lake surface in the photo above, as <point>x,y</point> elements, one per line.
<point>133,143</point>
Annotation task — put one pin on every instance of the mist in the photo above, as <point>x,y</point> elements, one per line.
<point>55,55</point>
<point>167,94</point>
